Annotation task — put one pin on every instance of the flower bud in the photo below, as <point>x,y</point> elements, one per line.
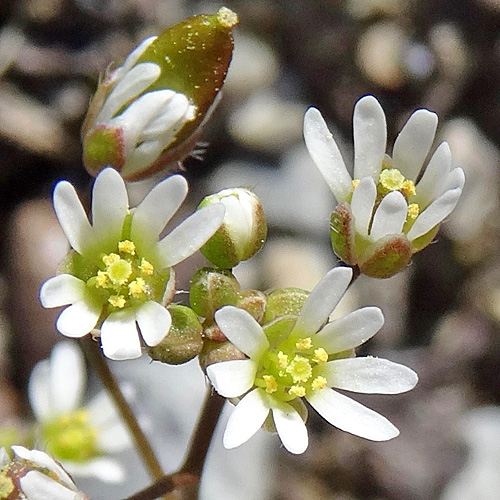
<point>284,302</point>
<point>148,112</point>
<point>254,302</point>
<point>243,230</point>
<point>184,340</point>
<point>217,352</point>
<point>211,289</point>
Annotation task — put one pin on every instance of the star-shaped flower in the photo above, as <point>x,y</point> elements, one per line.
<point>394,205</point>
<point>119,275</point>
<point>79,437</point>
<point>304,356</point>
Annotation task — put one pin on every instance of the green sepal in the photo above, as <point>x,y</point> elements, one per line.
<point>254,302</point>
<point>279,329</point>
<point>422,241</point>
<point>184,340</point>
<point>342,233</point>
<point>217,352</point>
<point>284,301</point>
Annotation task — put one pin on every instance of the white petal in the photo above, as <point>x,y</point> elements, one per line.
<point>242,330</point>
<point>232,378</point>
<point>4,458</point>
<point>351,330</point>
<point>72,216</point>
<point>106,469</point>
<point>368,375</point>
<point>434,175</point>
<point>119,336</point>
<point>39,391</point>
<point>191,234</point>
<point>113,439</point>
<point>414,143</point>
<point>455,179</point>
<point>290,427</point>
<point>134,56</point>
<point>247,418</point>
<point>38,486</point>
<point>326,155</point>
<point>154,322</point>
<point>370,138</point>
<point>67,377</point>
<point>78,319</point>
<point>109,206</point>
<point>133,83</point>
<point>322,300</point>
<point>362,203</point>
<point>390,216</point>
<point>157,208</point>
<point>351,416</point>
<point>436,212</point>
<point>42,459</point>
<point>61,290</point>
<point>102,411</point>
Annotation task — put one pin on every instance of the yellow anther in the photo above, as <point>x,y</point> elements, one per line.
<point>119,271</point>
<point>304,344</point>
<point>300,369</point>
<point>117,301</point>
<point>413,211</point>
<point>137,287</point>
<point>126,246</point>
<point>320,355</point>
<point>408,189</point>
<point>391,180</point>
<point>102,279</point>
<point>297,390</point>
<point>354,184</point>
<point>318,383</point>
<point>146,267</point>
<point>109,259</point>
<point>282,360</point>
<point>271,384</point>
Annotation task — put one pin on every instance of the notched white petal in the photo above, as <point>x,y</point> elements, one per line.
<point>61,290</point>
<point>119,336</point>
<point>154,322</point>
<point>390,216</point>
<point>291,428</point>
<point>326,155</point>
<point>78,319</point>
<point>232,378</point>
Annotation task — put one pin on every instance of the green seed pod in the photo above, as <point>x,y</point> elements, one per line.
<point>184,340</point>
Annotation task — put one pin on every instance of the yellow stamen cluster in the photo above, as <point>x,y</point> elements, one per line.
<point>127,246</point>
<point>271,384</point>
<point>413,211</point>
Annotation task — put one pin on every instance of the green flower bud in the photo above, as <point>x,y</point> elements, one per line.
<point>254,302</point>
<point>211,289</point>
<point>243,230</point>
<point>217,352</point>
<point>184,340</point>
<point>147,113</point>
<point>283,302</point>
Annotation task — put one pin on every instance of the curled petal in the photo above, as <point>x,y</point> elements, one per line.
<point>351,416</point>
<point>38,486</point>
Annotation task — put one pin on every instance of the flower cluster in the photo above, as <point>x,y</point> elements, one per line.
<point>391,208</point>
<point>304,357</point>
<point>118,273</point>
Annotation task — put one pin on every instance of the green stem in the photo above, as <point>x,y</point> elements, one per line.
<point>99,364</point>
<point>190,473</point>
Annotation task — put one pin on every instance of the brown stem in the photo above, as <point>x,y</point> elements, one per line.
<point>190,473</point>
<point>99,364</point>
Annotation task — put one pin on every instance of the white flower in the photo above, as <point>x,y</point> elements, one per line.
<point>388,195</point>
<point>37,484</point>
<point>294,358</point>
<point>79,437</point>
<point>119,274</point>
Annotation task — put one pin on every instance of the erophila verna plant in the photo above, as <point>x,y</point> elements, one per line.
<point>273,354</point>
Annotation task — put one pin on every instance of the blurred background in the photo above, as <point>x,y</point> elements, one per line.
<point>442,313</point>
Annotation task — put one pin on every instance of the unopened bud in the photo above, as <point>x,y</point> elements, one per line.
<point>254,302</point>
<point>217,352</point>
<point>184,340</point>
<point>211,289</point>
<point>243,230</point>
<point>147,113</point>
<point>284,301</point>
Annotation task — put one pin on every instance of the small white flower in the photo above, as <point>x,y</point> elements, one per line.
<point>79,437</point>
<point>37,484</point>
<point>388,195</point>
<point>119,274</point>
<point>304,358</point>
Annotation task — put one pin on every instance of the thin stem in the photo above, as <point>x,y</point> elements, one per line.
<point>99,364</point>
<point>190,473</point>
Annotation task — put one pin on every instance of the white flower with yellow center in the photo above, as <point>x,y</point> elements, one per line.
<point>119,276</point>
<point>33,475</point>
<point>388,195</point>
<point>81,438</point>
<point>302,357</point>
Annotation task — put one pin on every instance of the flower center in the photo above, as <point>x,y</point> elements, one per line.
<point>123,278</point>
<point>71,437</point>
<point>289,370</point>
